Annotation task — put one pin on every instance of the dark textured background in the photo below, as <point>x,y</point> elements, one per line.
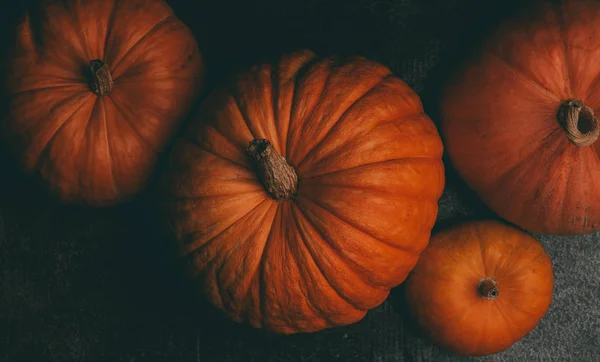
<point>84,285</point>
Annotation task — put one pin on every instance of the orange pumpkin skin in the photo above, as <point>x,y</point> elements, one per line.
<point>449,298</point>
<point>370,170</point>
<point>502,122</point>
<point>92,140</point>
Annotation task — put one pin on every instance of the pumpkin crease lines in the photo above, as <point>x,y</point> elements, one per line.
<point>336,123</point>
<point>411,159</point>
<point>205,243</point>
<point>134,129</point>
<point>60,128</point>
<point>199,146</point>
<point>318,265</point>
<point>259,275</point>
<point>110,25</point>
<point>74,84</point>
<point>527,79</point>
<point>300,73</point>
<point>355,227</point>
<point>108,150</point>
<point>562,30</point>
<point>319,312</point>
<point>166,18</point>
<point>352,265</point>
<point>311,112</point>
<point>262,255</point>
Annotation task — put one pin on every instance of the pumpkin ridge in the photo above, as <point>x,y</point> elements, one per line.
<point>198,145</point>
<point>482,249</point>
<point>164,20</point>
<point>371,164</point>
<point>562,31</point>
<point>192,249</point>
<point>110,26</point>
<point>519,73</point>
<point>130,124</point>
<point>308,115</point>
<point>256,275</point>
<point>354,226</point>
<point>300,73</point>
<point>319,313</point>
<point>100,101</point>
<point>344,113</point>
<point>75,83</point>
<point>349,262</point>
<point>320,268</point>
<point>46,148</point>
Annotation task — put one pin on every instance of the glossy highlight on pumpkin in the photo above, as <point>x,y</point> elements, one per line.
<point>479,287</point>
<point>367,161</point>
<point>97,89</point>
<point>520,123</point>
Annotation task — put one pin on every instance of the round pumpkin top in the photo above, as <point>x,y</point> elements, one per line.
<point>97,89</point>
<point>304,190</point>
<point>519,118</point>
<point>480,286</point>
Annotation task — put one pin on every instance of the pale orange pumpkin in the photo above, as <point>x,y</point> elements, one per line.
<point>519,118</point>
<point>304,191</point>
<point>479,287</point>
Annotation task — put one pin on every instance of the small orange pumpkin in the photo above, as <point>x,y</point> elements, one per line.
<point>97,89</point>
<point>479,287</point>
<point>306,190</point>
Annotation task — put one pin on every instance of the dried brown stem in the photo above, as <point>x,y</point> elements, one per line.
<point>579,122</point>
<point>277,176</point>
<point>100,79</point>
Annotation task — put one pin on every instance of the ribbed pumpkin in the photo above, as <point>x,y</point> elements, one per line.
<point>304,190</point>
<point>97,90</point>
<point>519,118</point>
<point>479,287</point>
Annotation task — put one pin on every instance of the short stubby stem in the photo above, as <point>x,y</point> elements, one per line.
<point>488,288</point>
<point>579,122</point>
<point>99,78</point>
<point>277,176</point>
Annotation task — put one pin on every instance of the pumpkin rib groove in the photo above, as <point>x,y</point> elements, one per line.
<point>244,117</point>
<point>75,23</point>
<point>164,20</point>
<point>111,22</point>
<point>78,88</point>
<point>100,100</point>
<point>256,274</point>
<point>227,253</point>
<point>354,226</point>
<point>199,146</point>
<point>130,124</point>
<point>336,123</point>
<point>309,114</point>
<point>508,320</point>
<point>275,90</point>
<point>231,143</point>
<point>524,77</point>
<point>352,265</point>
<point>481,248</point>
<point>560,19</point>
<point>56,133</point>
<point>298,76</point>
<point>205,243</point>
<point>319,312</point>
<point>523,160</point>
<point>408,159</point>
<point>319,266</point>
<point>261,270</point>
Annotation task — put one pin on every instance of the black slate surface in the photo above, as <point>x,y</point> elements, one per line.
<point>99,285</point>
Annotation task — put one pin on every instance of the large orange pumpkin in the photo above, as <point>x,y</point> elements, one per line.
<point>519,118</point>
<point>479,287</point>
<point>304,191</point>
<point>97,90</point>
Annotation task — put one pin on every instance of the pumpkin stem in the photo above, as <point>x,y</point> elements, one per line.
<point>579,122</point>
<point>100,79</point>
<point>488,288</point>
<point>277,176</point>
